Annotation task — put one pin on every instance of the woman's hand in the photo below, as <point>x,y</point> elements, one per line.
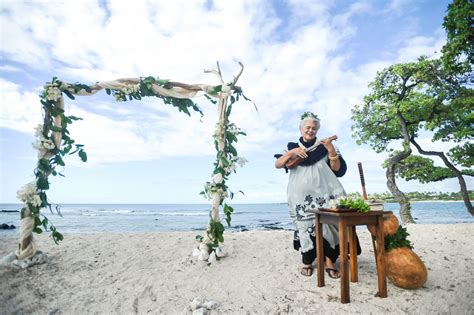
<point>293,153</point>
<point>334,162</point>
<point>299,152</point>
<point>327,143</point>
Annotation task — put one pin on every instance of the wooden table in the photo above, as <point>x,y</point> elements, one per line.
<point>348,220</point>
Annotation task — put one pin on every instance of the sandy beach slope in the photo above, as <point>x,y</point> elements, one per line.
<point>156,273</point>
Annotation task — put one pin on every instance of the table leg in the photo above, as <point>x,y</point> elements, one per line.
<point>353,253</point>
<point>381,277</point>
<point>319,251</point>
<point>344,266</point>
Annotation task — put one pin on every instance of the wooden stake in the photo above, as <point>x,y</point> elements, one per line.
<point>362,180</point>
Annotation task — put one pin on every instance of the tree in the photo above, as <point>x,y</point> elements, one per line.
<point>458,52</point>
<point>406,99</point>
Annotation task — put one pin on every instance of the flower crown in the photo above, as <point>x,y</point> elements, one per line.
<point>309,115</point>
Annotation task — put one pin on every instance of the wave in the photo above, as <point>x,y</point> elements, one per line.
<point>182,214</point>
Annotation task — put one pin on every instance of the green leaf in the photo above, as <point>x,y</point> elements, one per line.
<point>59,160</point>
<point>212,100</point>
<point>56,129</point>
<point>37,220</point>
<point>232,150</point>
<point>38,230</point>
<point>230,137</point>
<point>83,155</point>
<point>42,183</point>
<point>74,118</point>
<point>399,239</point>
<point>45,223</point>
<point>68,94</point>
<point>229,108</point>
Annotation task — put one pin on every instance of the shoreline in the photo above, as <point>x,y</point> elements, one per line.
<point>155,272</point>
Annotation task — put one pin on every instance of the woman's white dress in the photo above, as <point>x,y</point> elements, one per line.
<point>311,187</point>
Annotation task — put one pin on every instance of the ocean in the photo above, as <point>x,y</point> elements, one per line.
<point>96,218</point>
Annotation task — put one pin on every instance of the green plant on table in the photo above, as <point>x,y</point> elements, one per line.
<point>356,204</point>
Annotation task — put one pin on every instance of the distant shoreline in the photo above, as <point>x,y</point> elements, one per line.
<point>250,203</point>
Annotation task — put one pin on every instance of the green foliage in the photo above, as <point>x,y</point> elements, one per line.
<point>422,169</point>
<point>357,204</point>
<point>225,164</point>
<point>54,156</point>
<point>145,89</point>
<point>216,230</point>
<point>410,98</point>
<point>458,52</point>
<point>463,154</point>
<point>228,210</point>
<point>397,240</point>
<point>417,195</point>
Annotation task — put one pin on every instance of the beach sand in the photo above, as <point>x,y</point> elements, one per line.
<point>156,273</point>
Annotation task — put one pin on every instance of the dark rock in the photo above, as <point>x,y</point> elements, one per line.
<point>5,226</point>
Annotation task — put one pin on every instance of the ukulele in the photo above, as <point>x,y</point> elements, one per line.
<point>293,162</point>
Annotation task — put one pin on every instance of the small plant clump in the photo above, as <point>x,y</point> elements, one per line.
<point>398,239</point>
<point>356,204</point>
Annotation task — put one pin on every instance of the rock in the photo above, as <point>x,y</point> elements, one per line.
<point>37,259</point>
<point>200,311</point>
<point>5,226</point>
<point>196,252</point>
<point>196,303</point>
<point>200,305</point>
<point>209,305</point>
<point>203,247</point>
<point>212,257</point>
<point>203,255</point>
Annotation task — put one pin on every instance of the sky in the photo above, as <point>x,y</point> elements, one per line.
<point>299,55</point>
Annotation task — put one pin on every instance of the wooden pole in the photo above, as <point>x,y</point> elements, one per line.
<point>362,180</point>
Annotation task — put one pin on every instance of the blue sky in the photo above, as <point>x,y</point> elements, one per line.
<point>298,56</point>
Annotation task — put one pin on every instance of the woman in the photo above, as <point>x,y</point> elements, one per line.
<point>312,184</point>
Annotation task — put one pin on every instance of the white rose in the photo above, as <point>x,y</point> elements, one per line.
<point>218,178</point>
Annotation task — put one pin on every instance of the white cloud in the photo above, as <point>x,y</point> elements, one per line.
<point>293,63</point>
<point>20,110</point>
<point>421,45</point>
<point>8,68</point>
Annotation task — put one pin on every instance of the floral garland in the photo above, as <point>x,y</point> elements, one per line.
<point>227,161</point>
<point>50,138</point>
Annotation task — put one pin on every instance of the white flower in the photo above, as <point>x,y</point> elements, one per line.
<point>219,132</point>
<point>48,144</point>
<point>242,161</point>
<point>131,89</point>
<point>42,144</point>
<point>232,167</point>
<point>39,131</point>
<point>53,93</point>
<point>29,194</point>
<point>217,178</point>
